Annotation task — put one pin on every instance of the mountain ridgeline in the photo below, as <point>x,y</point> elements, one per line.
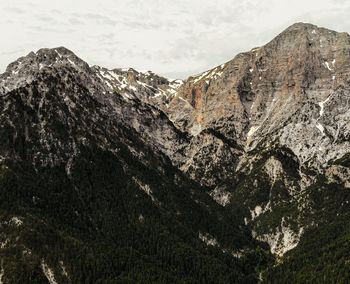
<point>240,174</point>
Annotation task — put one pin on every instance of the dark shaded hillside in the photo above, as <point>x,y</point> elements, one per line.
<point>104,208</point>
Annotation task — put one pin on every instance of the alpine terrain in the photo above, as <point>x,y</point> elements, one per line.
<point>240,174</point>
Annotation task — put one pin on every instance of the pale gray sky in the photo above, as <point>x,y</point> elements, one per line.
<point>175,38</point>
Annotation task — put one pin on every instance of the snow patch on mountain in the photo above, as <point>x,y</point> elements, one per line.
<point>322,104</point>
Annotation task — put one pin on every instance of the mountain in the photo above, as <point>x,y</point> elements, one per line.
<point>240,174</point>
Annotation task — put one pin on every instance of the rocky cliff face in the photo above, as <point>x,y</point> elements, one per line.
<point>290,96</point>
<point>293,89</point>
<point>264,137</point>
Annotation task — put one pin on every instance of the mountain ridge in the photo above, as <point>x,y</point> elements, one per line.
<point>240,163</point>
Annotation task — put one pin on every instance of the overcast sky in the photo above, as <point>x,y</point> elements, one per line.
<point>175,38</point>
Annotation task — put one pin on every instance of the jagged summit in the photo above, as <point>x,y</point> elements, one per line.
<point>301,27</point>
<point>310,36</point>
<point>46,57</point>
<point>127,82</point>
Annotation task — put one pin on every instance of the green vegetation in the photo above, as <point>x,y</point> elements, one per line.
<point>91,222</point>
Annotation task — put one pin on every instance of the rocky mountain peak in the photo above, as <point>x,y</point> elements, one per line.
<point>47,57</point>
<point>258,93</point>
<point>302,28</point>
<point>45,61</point>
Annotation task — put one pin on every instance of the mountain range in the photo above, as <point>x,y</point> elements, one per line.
<point>240,174</point>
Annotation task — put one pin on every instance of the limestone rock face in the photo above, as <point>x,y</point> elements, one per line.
<point>282,92</point>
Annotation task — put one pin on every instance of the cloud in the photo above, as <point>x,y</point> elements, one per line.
<point>95,17</point>
<point>75,21</point>
<point>48,20</point>
<point>49,29</point>
<point>174,38</point>
<point>6,53</point>
<point>15,10</point>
